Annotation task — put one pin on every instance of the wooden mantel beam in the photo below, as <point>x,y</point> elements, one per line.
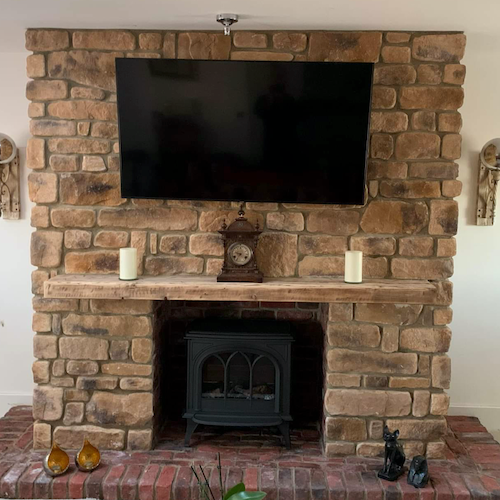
<point>197,288</point>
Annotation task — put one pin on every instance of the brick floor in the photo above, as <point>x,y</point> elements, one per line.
<point>471,470</point>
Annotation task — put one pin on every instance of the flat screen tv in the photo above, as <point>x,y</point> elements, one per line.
<point>244,131</point>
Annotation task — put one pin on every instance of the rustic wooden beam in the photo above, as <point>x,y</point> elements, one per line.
<point>272,290</point>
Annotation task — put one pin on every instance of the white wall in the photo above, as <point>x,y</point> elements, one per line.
<point>476,331</point>
<point>476,326</point>
<point>15,270</point>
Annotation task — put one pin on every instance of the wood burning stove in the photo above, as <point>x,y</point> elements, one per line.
<point>239,375</point>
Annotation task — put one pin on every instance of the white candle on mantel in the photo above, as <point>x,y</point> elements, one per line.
<point>353,267</point>
<point>128,264</point>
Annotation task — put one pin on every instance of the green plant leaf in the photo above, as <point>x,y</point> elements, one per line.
<point>238,488</point>
<point>248,495</point>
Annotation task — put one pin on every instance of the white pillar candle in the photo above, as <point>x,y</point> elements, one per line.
<point>128,264</point>
<point>353,267</point>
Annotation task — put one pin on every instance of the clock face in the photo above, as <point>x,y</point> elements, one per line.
<point>239,254</point>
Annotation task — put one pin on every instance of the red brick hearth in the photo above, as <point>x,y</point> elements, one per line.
<point>471,469</point>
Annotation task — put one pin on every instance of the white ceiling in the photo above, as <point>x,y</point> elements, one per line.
<point>426,15</point>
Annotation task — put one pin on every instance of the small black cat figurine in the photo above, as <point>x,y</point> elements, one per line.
<point>394,458</point>
<point>418,475</point>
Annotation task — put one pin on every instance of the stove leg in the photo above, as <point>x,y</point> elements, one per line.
<point>190,428</point>
<point>284,428</point>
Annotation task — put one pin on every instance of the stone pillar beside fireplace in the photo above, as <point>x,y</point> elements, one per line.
<point>384,362</point>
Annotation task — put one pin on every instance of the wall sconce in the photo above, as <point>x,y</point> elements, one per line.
<point>9,179</point>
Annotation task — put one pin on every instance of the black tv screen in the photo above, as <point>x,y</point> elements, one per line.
<point>244,131</point>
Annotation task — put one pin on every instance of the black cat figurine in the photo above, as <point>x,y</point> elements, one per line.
<point>418,475</point>
<point>394,458</point>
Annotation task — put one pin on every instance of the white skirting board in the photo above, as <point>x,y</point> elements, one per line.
<point>8,400</point>
<point>489,416</point>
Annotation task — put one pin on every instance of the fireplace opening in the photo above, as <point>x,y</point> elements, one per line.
<point>246,378</point>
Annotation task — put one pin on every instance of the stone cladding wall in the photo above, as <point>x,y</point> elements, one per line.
<point>94,369</point>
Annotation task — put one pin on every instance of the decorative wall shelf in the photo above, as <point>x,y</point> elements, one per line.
<point>272,290</point>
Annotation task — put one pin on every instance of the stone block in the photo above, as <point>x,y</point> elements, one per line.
<point>428,269</point>
<point>203,46</point>
<point>140,440</point>
<point>71,437</point>
<point>370,449</point>
<point>286,40</point>
<point>97,383</point>
<point>83,110</point>
<point>58,368</point>
<point>340,312</point>
<point>366,403</point>
<point>440,403</point>
<point>77,240</point>
<point>421,246</point>
<point>277,254</point>
<point>437,98</point>
<point>421,402</point>
<point>345,360</point>
<point>42,436</point>
<point>426,339</point>
<point>452,189</point>
<point>46,248</point>
<point>158,219</point>
<point>285,221</point>
<point>321,266</point>
<point>104,40</point>
<point>390,339</point>
<point>339,448</point>
<point>452,146</point>
<point>390,314</point>
<point>430,74</point>
<point>395,74</point>
<point>396,54</point>
<point>173,265</point>
<point>395,37</point>
<point>394,217</point>
<point>345,429</point>
<point>437,450</point>
<point>150,41</point>
<point>374,245</point>
<point>444,217</point>
<point>322,244</point>
<point>122,326</point>
<point>417,145</point>
<point>345,47</point>
<point>96,262</point>
<point>173,244</point>
<point>439,48</point>
<point>42,322</point>
<point>343,380</point>
<point>441,372</point>
<point>41,373</point>
<point>389,122</point>
<point>105,130</point>
<point>82,368</point>
<point>126,369</point>
<point>381,146</point>
<point>454,74</point>
<point>74,413</point>
<point>376,429</point>
<point>73,218</point>
<point>142,350</point>
<point>122,306</point>
<point>46,90</point>
<point>93,164</point>
<point>353,335</point>
<point>443,316</point>
<point>383,97</point>
<point>136,384</point>
<point>419,429</point>
<point>387,169</point>
<point>47,403</point>
<point>249,40</point>
<point>206,244</point>
<point>85,348</point>
<point>42,187</point>
<point>64,163</point>
<point>423,120</point>
<point>118,350</point>
<point>47,128</point>
<point>111,239</point>
<point>450,122</point>
<point>336,222</point>
<point>43,40</point>
<point>87,93</point>
<point>409,383</point>
<point>119,409</point>
<point>36,110</point>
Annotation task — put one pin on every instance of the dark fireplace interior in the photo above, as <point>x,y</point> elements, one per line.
<point>175,318</point>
